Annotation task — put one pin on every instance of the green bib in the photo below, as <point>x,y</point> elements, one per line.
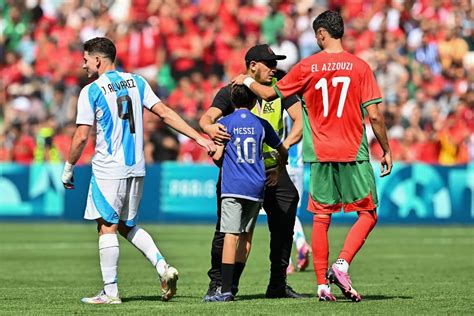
<point>272,112</point>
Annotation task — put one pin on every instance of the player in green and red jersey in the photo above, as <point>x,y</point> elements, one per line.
<point>339,90</point>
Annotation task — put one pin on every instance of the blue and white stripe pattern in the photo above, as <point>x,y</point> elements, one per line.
<point>295,153</point>
<point>119,149</point>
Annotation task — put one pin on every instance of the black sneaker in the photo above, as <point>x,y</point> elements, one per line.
<point>211,292</point>
<point>282,292</point>
<point>224,297</point>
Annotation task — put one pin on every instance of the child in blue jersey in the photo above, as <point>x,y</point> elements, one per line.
<point>242,182</point>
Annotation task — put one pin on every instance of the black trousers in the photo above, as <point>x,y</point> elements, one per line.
<point>280,204</point>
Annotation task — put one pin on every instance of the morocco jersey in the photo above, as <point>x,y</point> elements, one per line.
<point>243,169</point>
<point>336,88</point>
<point>115,103</point>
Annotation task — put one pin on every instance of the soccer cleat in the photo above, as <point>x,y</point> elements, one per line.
<point>221,297</point>
<point>211,291</point>
<point>101,298</point>
<point>326,296</point>
<point>168,283</point>
<point>284,291</point>
<point>303,257</point>
<point>343,281</point>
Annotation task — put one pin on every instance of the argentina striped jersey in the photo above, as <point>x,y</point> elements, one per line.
<point>114,102</point>
<point>295,152</point>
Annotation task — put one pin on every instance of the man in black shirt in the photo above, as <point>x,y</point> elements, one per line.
<point>281,196</point>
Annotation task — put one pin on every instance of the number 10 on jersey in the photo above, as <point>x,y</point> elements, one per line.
<point>249,152</point>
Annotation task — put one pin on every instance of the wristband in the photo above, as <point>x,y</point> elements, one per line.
<point>68,167</point>
<point>248,81</point>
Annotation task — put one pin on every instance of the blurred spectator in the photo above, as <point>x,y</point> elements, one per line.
<point>22,144</point>
<point>183,99</point>
<point>304,27</point>
<point>161,143</point>
<point>46,150</point>
<point>15,23</point>
<point>421,52</point>
<point>233,65</point>
<point>190,152</point>
<point>185,49</point>
<point>63,139</point>
<point>273,23</point>
<point>427,54</point>
<point>452,48</point>
<point>287,48</point>
<point>453,137</point>
<point>390,76</point>
<point>5,152</point>
<point>411,148</point>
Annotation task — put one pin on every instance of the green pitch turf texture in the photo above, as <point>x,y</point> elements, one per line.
<point>46,268</point>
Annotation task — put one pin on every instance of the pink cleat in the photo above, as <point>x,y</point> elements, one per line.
<point>343,281</point>
<point>303,257</point>
<point>326,296</point>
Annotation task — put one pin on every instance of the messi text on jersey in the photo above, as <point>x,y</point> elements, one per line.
<point>244,130</point>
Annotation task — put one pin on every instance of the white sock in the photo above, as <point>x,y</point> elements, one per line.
<point>342,265</point>
<point>143,242</point>
<point>298,235</point>
<point>324,287</point>
<point>109,255</point>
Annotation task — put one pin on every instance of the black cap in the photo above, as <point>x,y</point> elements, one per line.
<point>261,53</point>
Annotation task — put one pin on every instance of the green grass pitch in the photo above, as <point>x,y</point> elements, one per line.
<point>46,268</point>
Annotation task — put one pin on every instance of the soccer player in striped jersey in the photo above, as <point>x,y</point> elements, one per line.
<point>339,90</point>
<point>114,102</point>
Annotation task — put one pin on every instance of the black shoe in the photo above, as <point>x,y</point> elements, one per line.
<point>282,292</point>
<point>212,291</point>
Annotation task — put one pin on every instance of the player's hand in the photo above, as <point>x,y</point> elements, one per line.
<point>68,176</point>
<point>272,176</point>
<point>386,164</point>
<point>282,161</point>
<point>239,80</point>
<point>218,133</point>
<point>207,144</point>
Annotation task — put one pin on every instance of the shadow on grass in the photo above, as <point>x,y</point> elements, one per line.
<point>249,297</point>
<point>149,298</point>
<point>364,298</point>
<point>142,298</point>
<point>262,296</point>
<point>383,297</point>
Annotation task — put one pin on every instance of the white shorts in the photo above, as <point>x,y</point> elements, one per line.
<point>114,200</point>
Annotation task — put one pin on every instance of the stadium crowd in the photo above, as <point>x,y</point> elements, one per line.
<point>421,52</point>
